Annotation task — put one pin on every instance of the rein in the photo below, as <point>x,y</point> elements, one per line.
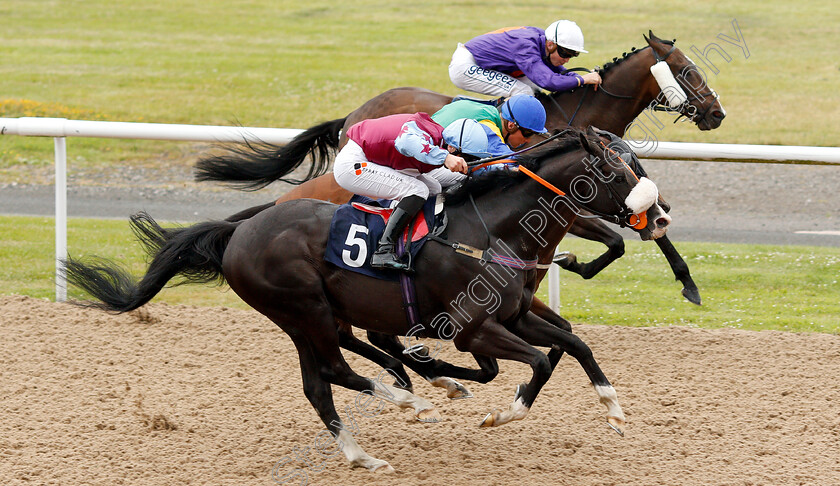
<point>477,164</point>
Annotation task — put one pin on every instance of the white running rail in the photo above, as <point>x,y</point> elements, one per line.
<point>59,128</point>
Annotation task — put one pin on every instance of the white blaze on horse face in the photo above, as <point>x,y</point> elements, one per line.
<point>643,196</point>
<point>668,84</point>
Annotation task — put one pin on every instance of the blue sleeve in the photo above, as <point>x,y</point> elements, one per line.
<point>495,145</point>
<point>416,143</point>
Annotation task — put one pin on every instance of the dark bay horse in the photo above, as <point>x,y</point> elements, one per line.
<point>275,262</point>
<point>440,373</point>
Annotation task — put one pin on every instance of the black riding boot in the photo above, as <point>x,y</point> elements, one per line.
<point>385,255</point>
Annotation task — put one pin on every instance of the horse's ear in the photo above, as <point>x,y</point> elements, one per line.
<point>588,141</point>
<point>652,37</point>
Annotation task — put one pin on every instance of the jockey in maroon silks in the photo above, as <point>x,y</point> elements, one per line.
<point>394,158</point>
<point>520,60</point>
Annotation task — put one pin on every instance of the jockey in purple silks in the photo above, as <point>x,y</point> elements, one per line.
<point>394,157</point>
<point>520,60</point>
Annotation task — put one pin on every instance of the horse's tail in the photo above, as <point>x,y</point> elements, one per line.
<point>252,166</point>
<point>194,252</point>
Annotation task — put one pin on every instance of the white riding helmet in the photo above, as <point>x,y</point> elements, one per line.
<point>467,136</point>
<point>566,33</point>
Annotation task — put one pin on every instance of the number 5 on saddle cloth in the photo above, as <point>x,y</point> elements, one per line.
<point>356,227</point>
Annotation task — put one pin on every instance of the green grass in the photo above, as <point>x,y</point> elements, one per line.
<point>27,258</point>
<point>291,64</point>
<point>758,287</point>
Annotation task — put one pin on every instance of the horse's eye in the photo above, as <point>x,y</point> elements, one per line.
<point>620,178</point>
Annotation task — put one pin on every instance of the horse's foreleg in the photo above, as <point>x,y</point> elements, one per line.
<point>545,313</point>
<point>537,332</point>
<point>593,230</point>
<point>492,341</point>
<point>680,269</point>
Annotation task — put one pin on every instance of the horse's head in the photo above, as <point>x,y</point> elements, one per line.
<point>629,199</point>
<point>682,85</point>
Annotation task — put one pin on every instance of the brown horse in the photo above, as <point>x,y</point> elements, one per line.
<point>628,88</point>
<point>275,262</point>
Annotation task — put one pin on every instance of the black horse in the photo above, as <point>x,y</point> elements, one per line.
<point>275,262</point>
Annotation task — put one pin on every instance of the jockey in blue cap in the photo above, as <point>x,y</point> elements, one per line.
<point>394,157</point>
<point>508,127</point>
<point>518,60</point>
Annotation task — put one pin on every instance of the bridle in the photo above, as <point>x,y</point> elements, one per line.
<point>626,217</point>
<point>658,106</point>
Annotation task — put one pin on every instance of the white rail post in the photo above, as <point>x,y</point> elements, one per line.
<point>60,218</point>
<point>554,287</point>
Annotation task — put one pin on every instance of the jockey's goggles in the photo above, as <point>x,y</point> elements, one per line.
<point>566,53</point>
<point>526,132</point>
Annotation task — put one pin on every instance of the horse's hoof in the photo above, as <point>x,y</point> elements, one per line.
<point>454,390</point>
<point>383,468</point>
<point>616,424</point>
<point>693,295</point>
<point>490,419</point>
<point>459,394</point>
<point>419,349</point>
<point>429,416</point>
<point>457,391</point>
<point>565,258</point>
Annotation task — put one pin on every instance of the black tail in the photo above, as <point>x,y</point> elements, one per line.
<point>252,166</point>
<point>195,252</point>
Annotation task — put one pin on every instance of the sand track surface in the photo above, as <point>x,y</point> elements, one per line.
<point>186,395</point>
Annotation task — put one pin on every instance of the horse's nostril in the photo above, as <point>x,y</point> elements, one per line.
<point>718,114</point>
<point>662,222</point>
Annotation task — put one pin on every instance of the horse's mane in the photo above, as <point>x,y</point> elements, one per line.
<point>503,179</point>
<point>624,56</point>
<point>542,96</point>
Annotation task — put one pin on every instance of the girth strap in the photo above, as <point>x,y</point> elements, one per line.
<point>486,255</point>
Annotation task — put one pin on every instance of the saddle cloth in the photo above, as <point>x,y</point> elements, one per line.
<point>356,228</point>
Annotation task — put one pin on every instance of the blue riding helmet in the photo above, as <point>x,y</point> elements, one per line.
<point>526,111</point>
<point>467,136</point>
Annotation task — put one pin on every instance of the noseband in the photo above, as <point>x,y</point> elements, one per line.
<point>699,96</point>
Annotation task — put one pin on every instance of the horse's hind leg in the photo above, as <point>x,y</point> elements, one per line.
<point>322,334</point>
<point>351,343</point>
<point>319,394</point>
<point>439,373</point>
<point>340,373</point>
<point>540,333</point>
